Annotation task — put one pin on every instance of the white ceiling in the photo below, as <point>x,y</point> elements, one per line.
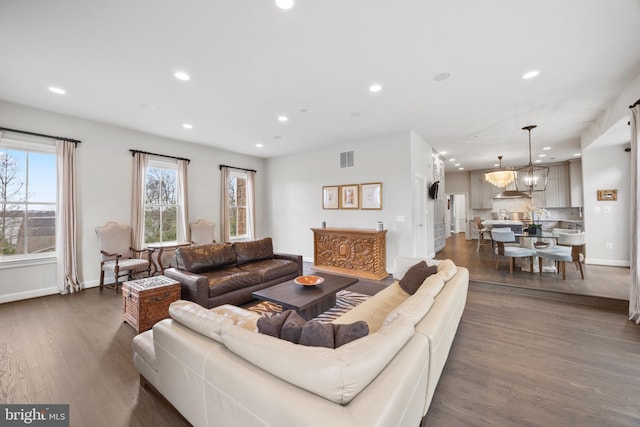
<point>250,62</point>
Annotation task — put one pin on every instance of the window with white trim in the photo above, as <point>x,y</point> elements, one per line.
<point>28,186</point>
<point>161,202</point>
<point>238,205</point>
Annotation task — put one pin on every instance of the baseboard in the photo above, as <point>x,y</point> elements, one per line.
<point>18,296</point>
<point>608,262</point>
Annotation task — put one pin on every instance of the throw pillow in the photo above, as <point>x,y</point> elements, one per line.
<point>317,334</point>
<point>273,325</point>
<point>414,277</point>
<point>345,333</point>
<point>292,327</point>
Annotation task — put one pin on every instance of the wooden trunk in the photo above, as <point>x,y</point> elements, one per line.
<point>146,301</point>
<point>350,251</point>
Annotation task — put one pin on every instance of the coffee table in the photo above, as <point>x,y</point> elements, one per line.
<point>308,301</point>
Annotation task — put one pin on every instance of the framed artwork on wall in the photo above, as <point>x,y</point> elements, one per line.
<point>330,197</point>
<point>371,195</point>
<point>349,196</point>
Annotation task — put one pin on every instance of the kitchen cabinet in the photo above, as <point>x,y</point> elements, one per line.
<point>557,194</point>
<point>575,183</point>
<point>481,191</point>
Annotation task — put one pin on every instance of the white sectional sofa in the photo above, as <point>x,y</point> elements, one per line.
<point>217,370</point>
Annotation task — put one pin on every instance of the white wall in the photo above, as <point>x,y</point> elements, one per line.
<point>104,186</point>
<point>606,222</point>
<point>295,193</point>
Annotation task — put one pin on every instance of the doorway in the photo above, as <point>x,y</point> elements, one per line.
<point>458,213</point>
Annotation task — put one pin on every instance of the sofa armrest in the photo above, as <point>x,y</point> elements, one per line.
<point>194,287</point>
<point>291,257</point>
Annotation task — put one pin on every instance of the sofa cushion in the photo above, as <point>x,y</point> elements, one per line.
<point>229,279</point>
<point>402,263</point>
<point>413,308</point>
<point>292,327</point>
<point>375,309</point>
<point>202,258</point>
<point>431,286</point>
<point>270,269</point>
<point>254,250</point>
<point>239,316</point>
<point>335,374</point>
<point>317,334</point>
<point>447,269</point>
<point>198,318</point>
<point>273,325</point>
<point>414,277</point>
<point>345,333</point>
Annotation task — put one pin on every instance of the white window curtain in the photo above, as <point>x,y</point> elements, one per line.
<point>634,295</point>
<point>140,164</point>
<point>251,203</point>
<point>66,234</point>
<point>183,209</point>
<point>225,173</point>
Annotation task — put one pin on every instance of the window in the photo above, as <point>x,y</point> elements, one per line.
<point>238,205</point>
<point>27,199</point>
<point>160,205</point>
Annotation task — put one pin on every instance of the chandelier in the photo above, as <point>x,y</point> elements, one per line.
<point>500,177</point>
<point>531,178</point>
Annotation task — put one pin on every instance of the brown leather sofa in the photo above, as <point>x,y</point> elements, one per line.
<point>228,273</point>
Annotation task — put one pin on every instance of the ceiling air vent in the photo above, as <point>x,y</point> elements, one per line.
<point>346,159</point>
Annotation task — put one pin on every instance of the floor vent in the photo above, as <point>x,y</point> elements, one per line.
<point>346,159</point>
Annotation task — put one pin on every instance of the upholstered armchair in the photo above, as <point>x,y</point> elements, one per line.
<point>571,248</point>
<point>502,237</point>
<point>202,232</point>
<point>117,255</point>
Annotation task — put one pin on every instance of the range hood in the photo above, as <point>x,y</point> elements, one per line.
<point>513,194</point>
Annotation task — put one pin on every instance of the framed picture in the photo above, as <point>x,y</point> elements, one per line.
<point>330,197</point>
<point>349,196</point>
<point>607,195</point>
<point>371,195</point>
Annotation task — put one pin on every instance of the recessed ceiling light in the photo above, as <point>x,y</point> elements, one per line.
<point>542,155</point>
<point>577,155</point>
<point>460,169</point>
<point>496,165</point>
<point>538,161</point>
<point>57,90</point>
<point>283,118</point>
<point>452,160</point>
<point>259,145</point>
<point>187,126</point>
<point>530,74</point>
<point>443,153</point>
<point>547,148</point>
<point>441,77</point>
<point>180,75</point>
<point>285,4</point>
<point>457,164</point>
<point>375,88</point>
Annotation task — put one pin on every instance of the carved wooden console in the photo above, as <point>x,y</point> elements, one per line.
<point>352,251</point>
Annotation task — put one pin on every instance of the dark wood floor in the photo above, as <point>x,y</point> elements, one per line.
<point>521,357</point>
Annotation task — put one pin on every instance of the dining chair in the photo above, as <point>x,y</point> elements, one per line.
<point>117,255</point>
<point>570,248</point>
<point>503,237</point>
<point>482,231</point>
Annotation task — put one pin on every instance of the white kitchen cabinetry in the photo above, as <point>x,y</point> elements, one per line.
<point>557,194</point>
<point>575,183</point>
<point>481,191</point>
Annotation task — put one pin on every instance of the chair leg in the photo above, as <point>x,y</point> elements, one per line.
<point>531,264</point>
<point>116,276</point>
<point>497,259</point>
<point>512,262</point>
<point>563,265</point>
<point>581,271</point>
<point>101,279</point>
<point>540,265</point>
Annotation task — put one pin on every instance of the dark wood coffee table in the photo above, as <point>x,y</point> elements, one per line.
<point>308,301</point>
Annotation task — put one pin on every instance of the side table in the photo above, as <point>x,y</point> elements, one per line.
<point>146,301</point>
